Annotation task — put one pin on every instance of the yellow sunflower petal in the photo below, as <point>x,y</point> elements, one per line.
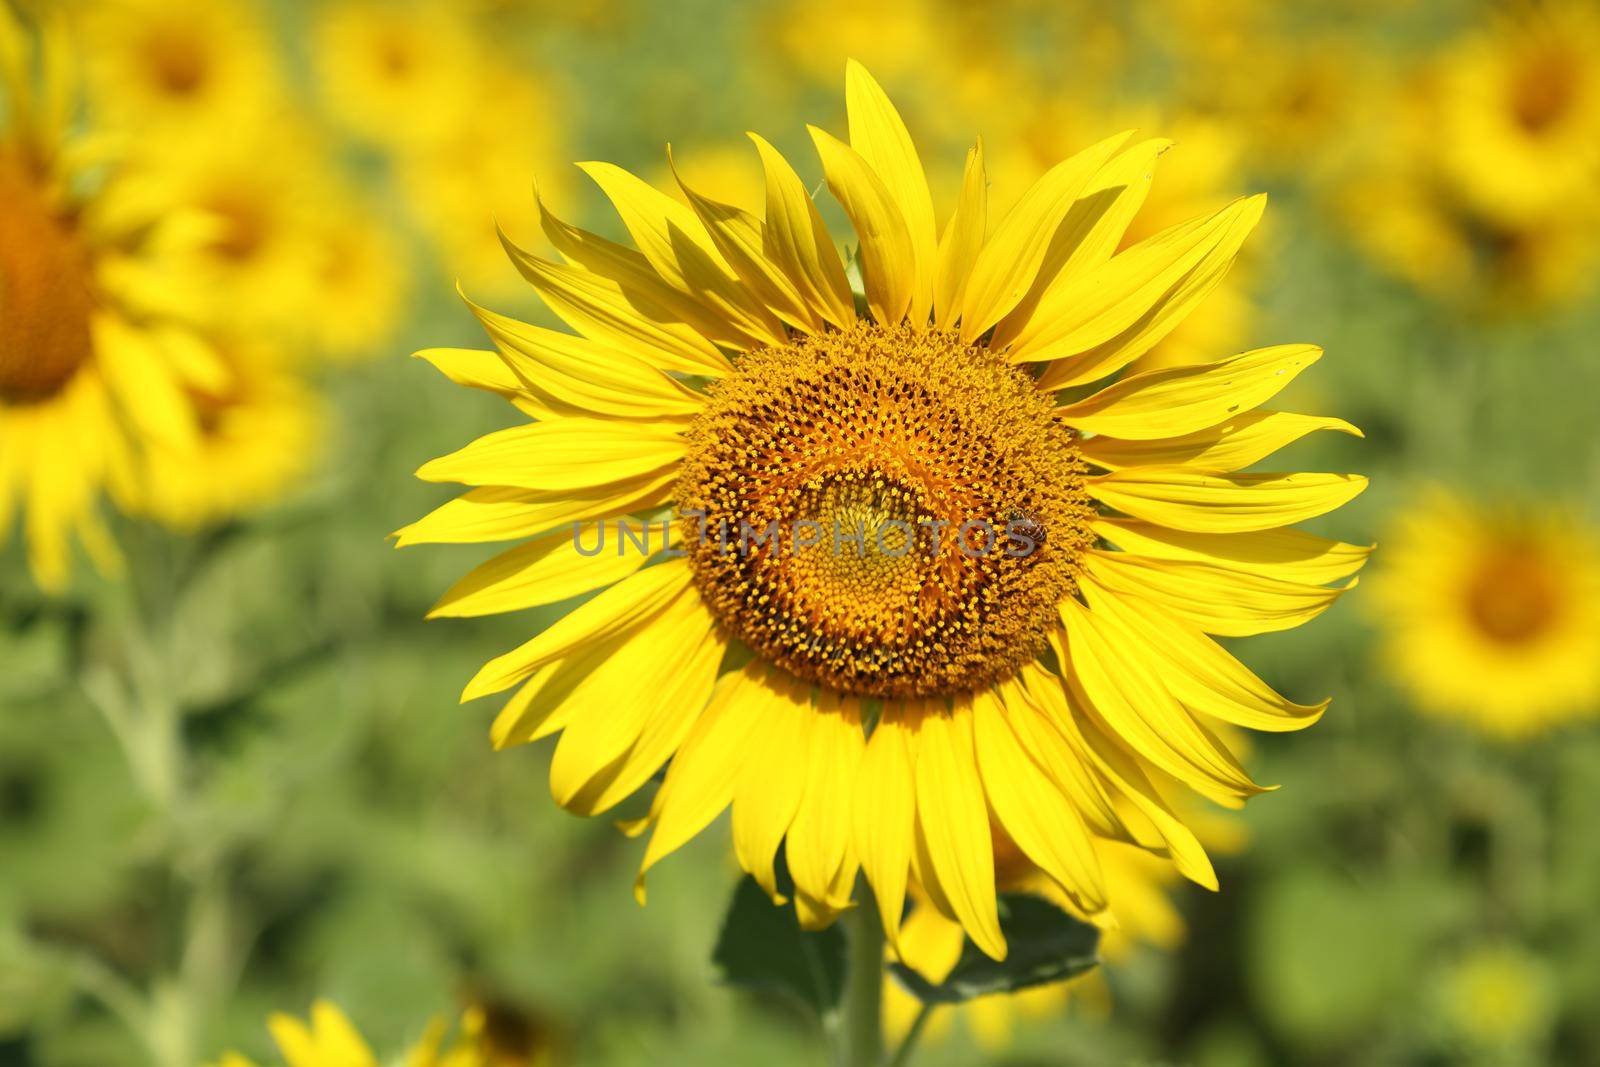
<point>880,135</point>
<point>1122,770</point>
<point>772,781</point>
<point>584,375</point>
<point>503,513</point>
<point>1090,233</point>
<point>1292,555</point>
<point>1031,809</point>
<point>601,310</point>
<point>962,241</point>
<point>635,708</point>
<point>739,236</point>
<point>1135,705</point>
<point>953,817</point>
<point>1180,400</point>
<point>629,602</point>
<point>1236,443</point>
<point>704,773</point>
<point>1011,258</point>
<point>1036,706</point>
<point>639,283</point>
<point>670,236</point>
<point>885,815</point>
<point>1220,601</point>
<point>1202,502</point>
<point>561,454</point>
<point>1200,673</point>
<point>1101,304</point>
<point>818,845</point>
<point>797,241</point>
<point>477,369</point>
<point>888,258</point>
<point>1112,315</point>
<point>551,569</point>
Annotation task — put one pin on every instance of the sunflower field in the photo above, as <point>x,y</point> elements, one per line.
<point>803,532</point>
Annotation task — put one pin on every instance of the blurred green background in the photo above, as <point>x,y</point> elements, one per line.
<point>237,779</point>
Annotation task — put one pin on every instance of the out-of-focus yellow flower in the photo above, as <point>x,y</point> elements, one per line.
<point>1483,186</point>
<point>1493,617</point>
<point>1516,113</point>
<point>95,344</point>
<point>257,429</point>
<point>179,70</point>
<point>266,198</point>
<point>474,181</point>
<point>330,1040</point>
<point>1498,997</point>
<point>399,74</point>
<point>361,281</point>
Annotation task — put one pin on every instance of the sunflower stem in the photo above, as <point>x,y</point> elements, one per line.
<point>908,1044</point>
<point>863,1025</point>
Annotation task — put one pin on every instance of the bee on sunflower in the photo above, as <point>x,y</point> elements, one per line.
<point>875,685</point>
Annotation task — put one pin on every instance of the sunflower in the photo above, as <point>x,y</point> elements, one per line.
<point>330,1040</point>
<point>257,425</point>
<point>93,332</point>
<point>468,181</point>
<point>167,69</point>
<point>1518,113</point>
<point>1481,186</point>
<point>961,584</point>
<point>266,199</point>
<point>396,74</point>
<point>1493,617</point>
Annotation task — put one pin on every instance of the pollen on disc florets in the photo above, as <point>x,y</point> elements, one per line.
<point>873,451</point>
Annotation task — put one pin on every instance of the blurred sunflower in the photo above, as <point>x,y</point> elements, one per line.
<point>168,69</point>
<point>258,427</point>
<point>725,370</point>
<point>1498,997</point>
<point>1483,187</point>
<point>361,280</point>
<point>396,74</point>
<point>1493,618</point>
<point>330,1040</point>
<point>1517,119</point>
<point>93,347</point>
<point>267,199</point>
<point>471,182</point>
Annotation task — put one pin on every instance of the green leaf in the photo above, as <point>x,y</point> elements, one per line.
<point>1046,945</point>
<point>762,947</point>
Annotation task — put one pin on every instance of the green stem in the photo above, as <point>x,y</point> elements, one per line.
<point>863,1028</point>
<point>908,1044</point>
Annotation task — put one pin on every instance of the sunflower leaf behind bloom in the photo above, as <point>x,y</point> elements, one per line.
<point>763,948</point>
<point>1047,945</point>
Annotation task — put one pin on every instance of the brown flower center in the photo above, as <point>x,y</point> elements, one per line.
<point>1514,599</point>
<point>1545,87</point>
<point>884,512</point>
<point>45,294</point>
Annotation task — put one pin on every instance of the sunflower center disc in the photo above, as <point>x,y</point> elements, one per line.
<point>884,512</point>
<point>44,291</point>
